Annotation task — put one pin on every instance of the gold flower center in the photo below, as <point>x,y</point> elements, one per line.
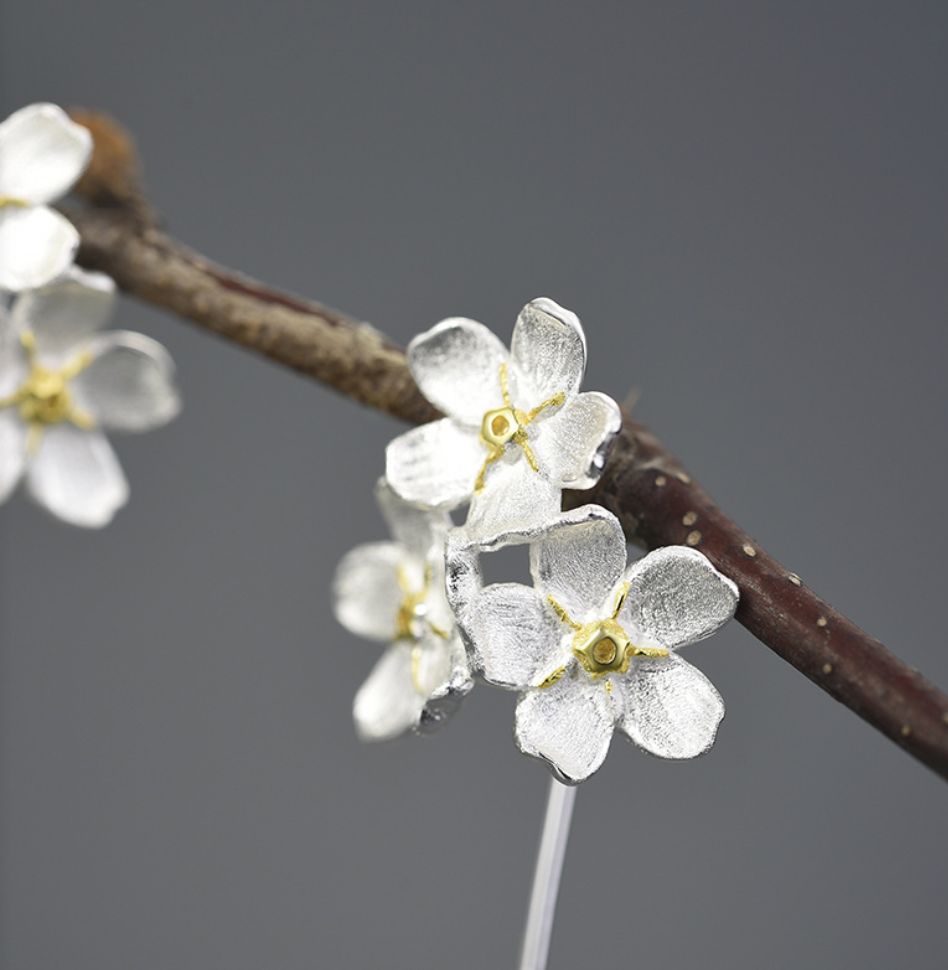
<point>410,620</point>
<point>503,425</point>
<point>601,646</point>
<point>412,612</point>
<point>499,427</point>
<point>44,397</point>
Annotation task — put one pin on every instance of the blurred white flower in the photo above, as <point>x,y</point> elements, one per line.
<point>394,592</point>
<point>592,645</point>
<point>62,383</point>
<point>517,429</point>
<point>42,154</point>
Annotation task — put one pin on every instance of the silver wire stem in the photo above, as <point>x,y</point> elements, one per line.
<point>546,878</point>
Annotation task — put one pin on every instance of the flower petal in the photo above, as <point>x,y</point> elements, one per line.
<point>578,559</point>
<point>387,704</point>
<point>76,476</point>
<point>366,592</point>
<point>42,153</point>
<point>549,349</point>
<point>516,637</point>
<point>671,709</point>
<point>129,386</point>
<point>434,465</point>
<point>676,597</point>
<point>568,726</point>
<point>412,687</point>
<point>419,531</point>
<point>457,366</point>
<point>514,496</point>
<point>13,437</point>
<point>463,580</point>
<point>572,445</point>
<point>64,313</point>
<point>442,673</point>
<point>36,245</point>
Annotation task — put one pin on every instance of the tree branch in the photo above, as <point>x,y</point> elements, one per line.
<point>643,483</point>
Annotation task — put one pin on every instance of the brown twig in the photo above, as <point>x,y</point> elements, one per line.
<point>643,484</point>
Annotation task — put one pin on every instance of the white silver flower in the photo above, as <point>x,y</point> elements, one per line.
<point>394,592</point>
<point>42,154</point>
<point>517,429</point>
<point>63,382</point>
<point>592,645</point>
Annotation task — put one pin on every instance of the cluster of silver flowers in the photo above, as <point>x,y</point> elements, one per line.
<point>592,644</point>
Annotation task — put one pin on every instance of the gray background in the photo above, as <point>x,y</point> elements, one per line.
<point>746,204</point>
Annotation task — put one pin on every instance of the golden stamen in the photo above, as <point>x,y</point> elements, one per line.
<point>33,438</point>
<point>550,402</point>
<point>509,423</point>
<point>489,460</point>
<point>521,439</point>
<point>561,613</point>
<point>416,669</point>
<point>551,679</point>
<point>503,385</point>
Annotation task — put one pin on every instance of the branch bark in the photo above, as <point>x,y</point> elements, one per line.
<point>657,502</point>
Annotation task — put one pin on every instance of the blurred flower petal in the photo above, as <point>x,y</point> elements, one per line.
<point>36,245</point>
<point>65,313</point>
<point>76,476</point>
<point>366,590</point>
<point>129,386</point>
<point>42,153</point>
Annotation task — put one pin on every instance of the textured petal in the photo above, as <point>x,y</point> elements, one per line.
<point>76,476</point>
<point>64,313</point>
<point>42,153</point>
<point>129,386</point>
<point>36,245</point>
<point>457,366</point>
<point>573,443</point>
<point>387,704</point>
<point>578,559</point>
<point>516,637</point>
<point>676,597</point>
<point>13,436</point>
<point>419,531</point>
<point>463,579</point>
<point>568,726</point>
<point>549,350</point>
<point>366,593</point>
<point>671,709</point>
<point>434,465</point>
<point>514,496</point>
